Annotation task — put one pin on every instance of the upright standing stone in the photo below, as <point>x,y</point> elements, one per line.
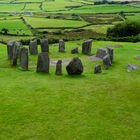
<point>61,46</point>
<point>101,52</point>
<point>33,49</point>
<point>44,45</point>
<point>24,58</point>
<point>111,53</point>
<point>10,46</point>
<point>86,47</point>
<point>19,46</point>
<point>97,69</point>
<point>75,67</point>
<point>58,67</point>
<point>15,56</point>
<point>43,62</point>
<point>107,61</point>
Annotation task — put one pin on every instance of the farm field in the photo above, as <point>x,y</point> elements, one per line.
<point>104,106</point>
<point>15,26</point>
<point>53,23</point>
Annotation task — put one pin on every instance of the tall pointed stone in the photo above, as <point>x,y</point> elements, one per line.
<point>61,46</point>
<point>86,47</point>
<point>24,58</point>
<point>15,56</point>
<point>33,48</point>
<point>10,46</point>
<point>58,67</point>
<point>44,45</point>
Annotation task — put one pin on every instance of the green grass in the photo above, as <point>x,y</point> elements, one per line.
<point>32,7</point>
<point>135,17</point>
<point>11,7</point>
<point>99,28</point>
<point>40,106</point>
<point>59,5</point>
<point>37,22</point>
<point>15,26</point>
<point>103,9</point>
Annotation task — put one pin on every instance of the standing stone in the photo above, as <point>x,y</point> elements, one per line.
<point>15,56</point>
<point>75,67</point>
<point>44,45</point>
<point>61,46</point>
<point>111,53</point>
<point>43,62</point>
<point>33,49</point>
<point>10,46</point>
<point>24,58</point>
<point>74,50</point>
<point>101,52</point>
<point>97,69</point>
<point>107,61</point>
<point>86,47</point>
<point>58,67</point>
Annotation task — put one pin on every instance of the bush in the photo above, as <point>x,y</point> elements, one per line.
<point>124,29</point>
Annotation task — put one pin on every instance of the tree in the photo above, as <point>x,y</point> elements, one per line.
<point>5,31</point>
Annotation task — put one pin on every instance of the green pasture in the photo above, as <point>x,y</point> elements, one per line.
<point>39,106</point>
<point>99,28</point>
<point>36,22</point>
<point>11,7</point>
<point>32,7</point>
<point>103,9</point>
<point>135,17</point>
<point>15,26</point>
<point>59,5</point>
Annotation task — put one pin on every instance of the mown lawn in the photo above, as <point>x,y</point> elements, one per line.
<point>44,106</point>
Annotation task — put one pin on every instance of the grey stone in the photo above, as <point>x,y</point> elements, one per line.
<point>58,67</point>
<point>10,47</point>
<point>97,69</point>
<point>33,48</point>
<point>101,53</point>
<point>111,53</point>
<point>107,61</point>
<point>24,58</point>
<point>75,67</point>
<point>44,45</point>
<point>86,47</point>
<point>15,56</point>
<point>61,46</point>
<point>43,62</point>
<point>74,50</point>
<point>131,67</point>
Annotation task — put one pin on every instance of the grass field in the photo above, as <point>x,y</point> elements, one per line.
<point>39,106</point>
<point>15,26</point>
<point>135,17</point>
<point>53,23</point>
<point>36,106</point>
<point>103,9</point>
